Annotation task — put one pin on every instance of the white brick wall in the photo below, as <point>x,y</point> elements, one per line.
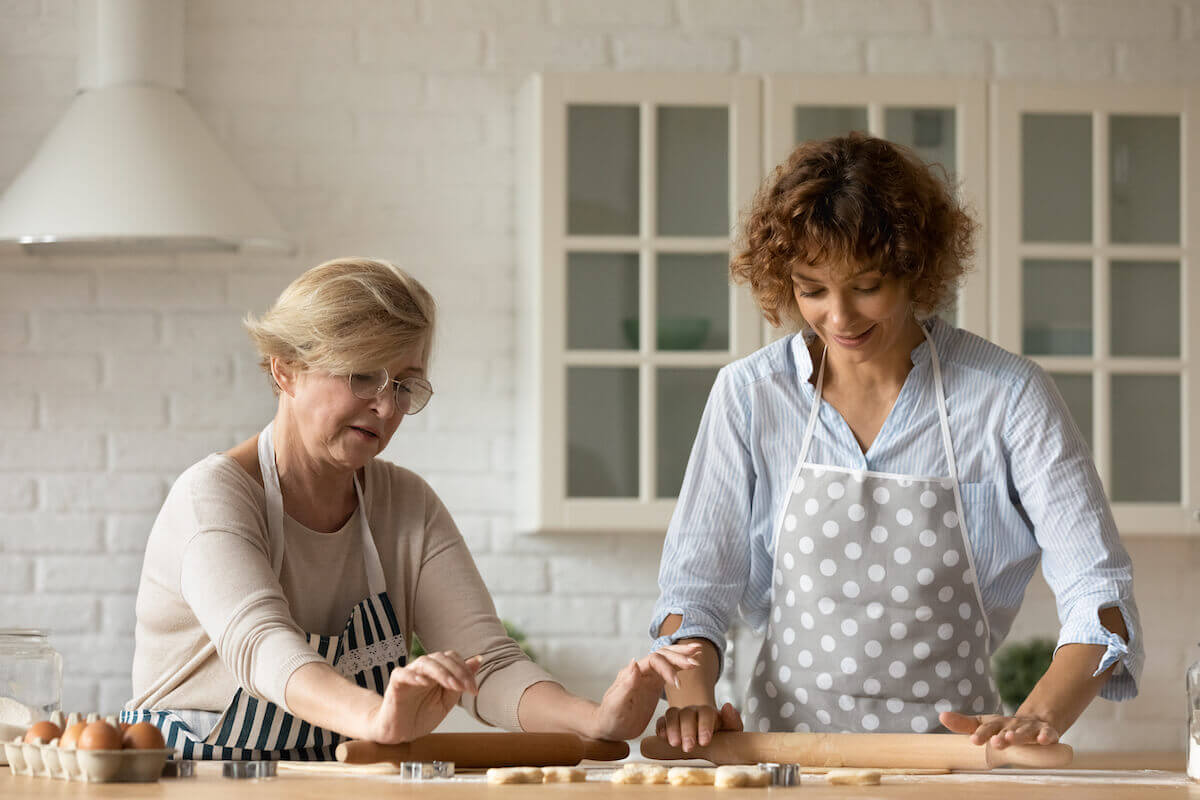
<point>385,127</point>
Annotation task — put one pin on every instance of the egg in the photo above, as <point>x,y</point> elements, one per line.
<point>44,730</point>
<point>70,737</point>
<point>99,735</point>
<point>143,736</point>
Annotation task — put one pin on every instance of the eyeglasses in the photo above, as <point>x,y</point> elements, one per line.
<point>412,393</point>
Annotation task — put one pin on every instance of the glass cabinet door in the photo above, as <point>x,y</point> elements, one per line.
<point>1093,276</point>
<point>640,178</point>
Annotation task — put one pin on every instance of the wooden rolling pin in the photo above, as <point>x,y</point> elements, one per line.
<point>914,750</point>
<point>479,750</point>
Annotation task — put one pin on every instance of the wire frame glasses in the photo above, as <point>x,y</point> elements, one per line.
<point>412,393</point>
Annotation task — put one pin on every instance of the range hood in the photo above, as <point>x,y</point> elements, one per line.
<point>131,167</point>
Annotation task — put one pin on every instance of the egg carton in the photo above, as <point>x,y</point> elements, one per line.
<point>47,760</point>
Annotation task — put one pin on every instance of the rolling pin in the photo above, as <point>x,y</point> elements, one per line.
<point>479,750</point>
<point>914,750</point>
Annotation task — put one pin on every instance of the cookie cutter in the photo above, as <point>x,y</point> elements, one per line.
<point>426,770</point>
<point>248,769</point>
<point>782,774</point>
<point>179,769</point>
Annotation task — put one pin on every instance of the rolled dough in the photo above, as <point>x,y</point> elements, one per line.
<point>691,776</point>
<point>854,777</point>
<point>640,773</point>
<point>729,777</point>
<point>563,775</point>
<point>514,775</point>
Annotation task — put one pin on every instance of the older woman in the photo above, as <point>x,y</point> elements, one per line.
<point>284,579</point>
<point>877,491</point>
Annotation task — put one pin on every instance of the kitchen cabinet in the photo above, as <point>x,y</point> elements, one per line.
<point>629,186</point>
<point>1094,209</point>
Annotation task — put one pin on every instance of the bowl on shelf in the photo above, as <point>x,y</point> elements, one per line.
<point>674,333</point>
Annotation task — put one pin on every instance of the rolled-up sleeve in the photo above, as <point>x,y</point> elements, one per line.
<point>1083,560</point>
<point>706,556</point>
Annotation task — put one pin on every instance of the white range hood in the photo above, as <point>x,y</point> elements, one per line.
<point>131,166</point>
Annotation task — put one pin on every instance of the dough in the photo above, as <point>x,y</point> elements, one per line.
<point>514,775</point>
<point>691,776</point>
<point>854,777</point>
<point>729,777</point>
<point>563,775</point>
<point>640,773</point>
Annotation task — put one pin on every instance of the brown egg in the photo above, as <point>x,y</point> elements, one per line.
<point>99,735</point>
<point>44,730</point>
<point>143,736</point>
<point>70,737</point>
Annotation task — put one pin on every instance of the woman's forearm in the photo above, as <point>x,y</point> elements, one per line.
<point>318,694</point>
<point>546,707</point>
<point>1068,686</point>
<point>697,687</point>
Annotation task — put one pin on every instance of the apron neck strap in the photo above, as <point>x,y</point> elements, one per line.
<point>270,475</point>
<point>939,391</point>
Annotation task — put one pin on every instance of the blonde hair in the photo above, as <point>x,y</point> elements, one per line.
<point>346,315</point>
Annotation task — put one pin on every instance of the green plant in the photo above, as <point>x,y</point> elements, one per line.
<point>1019,666</point>
<point>514,633</point>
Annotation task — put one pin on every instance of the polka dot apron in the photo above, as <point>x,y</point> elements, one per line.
<point>368,649</point>
<point>876,619</point>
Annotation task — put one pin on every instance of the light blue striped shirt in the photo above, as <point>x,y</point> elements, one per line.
<point>1029,489</point>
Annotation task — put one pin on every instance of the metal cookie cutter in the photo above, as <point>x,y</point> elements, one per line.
<point>426,770</point>
<point>248,769</point>
<point>783,774</point>
<point>179,769</point>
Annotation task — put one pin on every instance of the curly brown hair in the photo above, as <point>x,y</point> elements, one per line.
<point>855,201</point>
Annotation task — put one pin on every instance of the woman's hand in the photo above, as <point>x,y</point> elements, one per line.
<point>694,725</point>
<point>1000,731</point>
<point>420,695</point>
<point>628,705</point>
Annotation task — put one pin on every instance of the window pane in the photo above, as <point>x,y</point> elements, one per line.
<point>682,394</point>
<point>1144,179</point>
<point>693,171</point>
<point>602,432</point>
<point>1146,439</point>
<point>1056,177</point>
<point>1056,304</point>
<point>821,122</point>
<point>602,301</point>
<point>602,169</point>
<point>1145,308</point>
<point>1077,392</point>
<point>928,131</point>
<point>693,301</point>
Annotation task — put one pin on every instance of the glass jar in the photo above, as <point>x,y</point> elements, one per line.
<point>30,677</point>
<point>1193,752</point>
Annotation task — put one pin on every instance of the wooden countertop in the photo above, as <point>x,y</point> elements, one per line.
<point>1094,776</point>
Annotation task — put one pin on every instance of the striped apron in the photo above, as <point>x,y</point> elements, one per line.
<point>368,649</point>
